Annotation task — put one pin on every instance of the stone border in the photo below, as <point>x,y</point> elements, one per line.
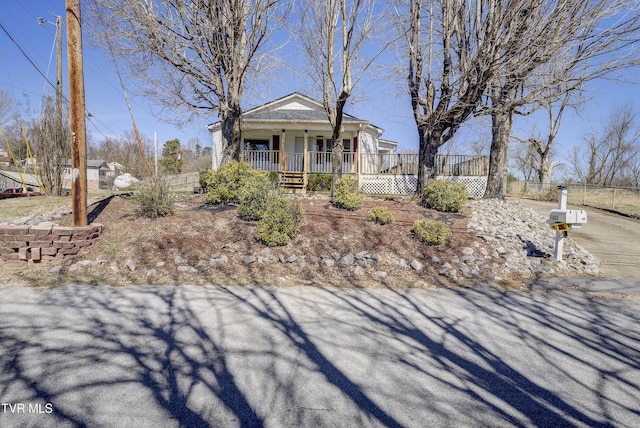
<point>45,242</point>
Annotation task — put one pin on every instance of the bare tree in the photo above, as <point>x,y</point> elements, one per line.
<point>123,150</point>
<point>333,33</point>
<point>582,39</point>
<point>52,150</point>
<point>7,113</point>
<point>539,147</point>
<point>454,49</point>
<point>192,54</point>
<point>610,157</point>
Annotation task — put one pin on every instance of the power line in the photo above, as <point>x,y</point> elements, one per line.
<point>26,55</point>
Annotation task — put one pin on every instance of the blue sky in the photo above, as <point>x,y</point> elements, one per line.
<point>384,103</point>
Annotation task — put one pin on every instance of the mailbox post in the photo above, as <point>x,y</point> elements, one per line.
<point>562,219</point>
<point>562,205</point>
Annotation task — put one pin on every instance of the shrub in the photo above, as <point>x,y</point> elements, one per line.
<point>203,179</point>
<point>280,223</point>
<point>223,185</point>
<point>347,195</point>
<point>432,232</point>
<point>380,215</point>
<point>319,182</point>
<point>445,195</point>
<point>154,199</point>
<point>256,195</point>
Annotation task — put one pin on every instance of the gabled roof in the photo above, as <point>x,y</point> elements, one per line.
<point>294,107</point>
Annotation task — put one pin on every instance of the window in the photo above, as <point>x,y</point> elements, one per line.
<point>254,144</point>
<point>346,145</point>
<point>329,145</point>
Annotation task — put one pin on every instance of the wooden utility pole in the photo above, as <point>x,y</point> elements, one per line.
<point>59,74</point>
<point>77,108</point>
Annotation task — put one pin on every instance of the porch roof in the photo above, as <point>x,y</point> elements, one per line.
<point>294,108</point>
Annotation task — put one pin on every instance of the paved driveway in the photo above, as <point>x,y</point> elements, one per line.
<point>170,356</point>
<point>611,238</point>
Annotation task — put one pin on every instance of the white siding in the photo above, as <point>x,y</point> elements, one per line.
<point>216,149</point>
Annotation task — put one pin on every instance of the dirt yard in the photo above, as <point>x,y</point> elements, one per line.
<point>198,230</point>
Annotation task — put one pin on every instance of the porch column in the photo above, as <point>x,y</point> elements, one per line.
<point>283,161</point>
<point>305,151</point>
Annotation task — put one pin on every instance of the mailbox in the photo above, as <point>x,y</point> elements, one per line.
<point>576,218</point>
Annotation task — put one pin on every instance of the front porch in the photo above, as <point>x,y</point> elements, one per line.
<point>378,173</point>
<point>317,162</point>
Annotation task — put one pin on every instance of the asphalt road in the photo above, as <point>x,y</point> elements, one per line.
<point>611,238</point>
<point>170,356</point>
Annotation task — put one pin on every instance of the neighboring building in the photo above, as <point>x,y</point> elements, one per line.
<point>10,179</point>
<point>98,173</point>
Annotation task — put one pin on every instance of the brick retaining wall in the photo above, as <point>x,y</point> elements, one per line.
<point>44,243</point>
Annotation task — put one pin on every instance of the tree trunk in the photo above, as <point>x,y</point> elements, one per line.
<point>502,121</point>
<point>544,171</point>
<point>429,144</point>
<point>230,126</point>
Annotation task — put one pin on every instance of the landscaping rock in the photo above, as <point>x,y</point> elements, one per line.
<point>381,274</point>
<point>347,260</point>
<point>328,262</point>
<point>359,271</point>
<point>56,269</point>
<point>249,259</point>
<point>130,264</point>
<point>179,260</point>
<point>416,265</point>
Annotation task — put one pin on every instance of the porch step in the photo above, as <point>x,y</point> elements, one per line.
<point>293,181</point>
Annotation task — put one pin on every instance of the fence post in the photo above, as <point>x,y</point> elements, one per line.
<point>584,195</point>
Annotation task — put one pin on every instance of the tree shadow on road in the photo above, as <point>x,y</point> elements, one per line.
<point>303,356</point>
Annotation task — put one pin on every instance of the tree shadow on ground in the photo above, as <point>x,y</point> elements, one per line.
<point>305,356</point>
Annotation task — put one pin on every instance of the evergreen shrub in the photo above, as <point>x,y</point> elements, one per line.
<point>445,195</point>
<point>256,195</point>
<point>280,222</point>
<point>154,198</point>
<point>319,182</point>
<point>380,215</point>
<point>432,232</point>
<point>348,195</point>
<point>224,184</point>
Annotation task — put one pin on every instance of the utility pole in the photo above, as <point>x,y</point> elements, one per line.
<point>59,74</point>
<point>77,108</point>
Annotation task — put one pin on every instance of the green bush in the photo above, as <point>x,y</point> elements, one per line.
<point>319,182</point>
<point>280,223</point>
<point>347,195</point>
<point>154,199</point>
<point>432,232</point>
<point>256,195</point>
<point>223,185</point>
<point>380,215</point>
<point>203,179</point>
<point>445,195</point>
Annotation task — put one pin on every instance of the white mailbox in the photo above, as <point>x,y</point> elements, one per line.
<point>572,217</point>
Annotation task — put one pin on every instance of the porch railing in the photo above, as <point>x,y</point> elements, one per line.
<point>365,163</point>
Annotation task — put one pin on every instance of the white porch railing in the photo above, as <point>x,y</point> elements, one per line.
<point>365,163</point>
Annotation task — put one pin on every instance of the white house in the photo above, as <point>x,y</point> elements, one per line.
<point>292,135</point>
<point>97,173</point>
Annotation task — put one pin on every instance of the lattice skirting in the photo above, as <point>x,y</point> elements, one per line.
<point>388,184</point>
<point>476,185</point>
<point>406,184</point>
